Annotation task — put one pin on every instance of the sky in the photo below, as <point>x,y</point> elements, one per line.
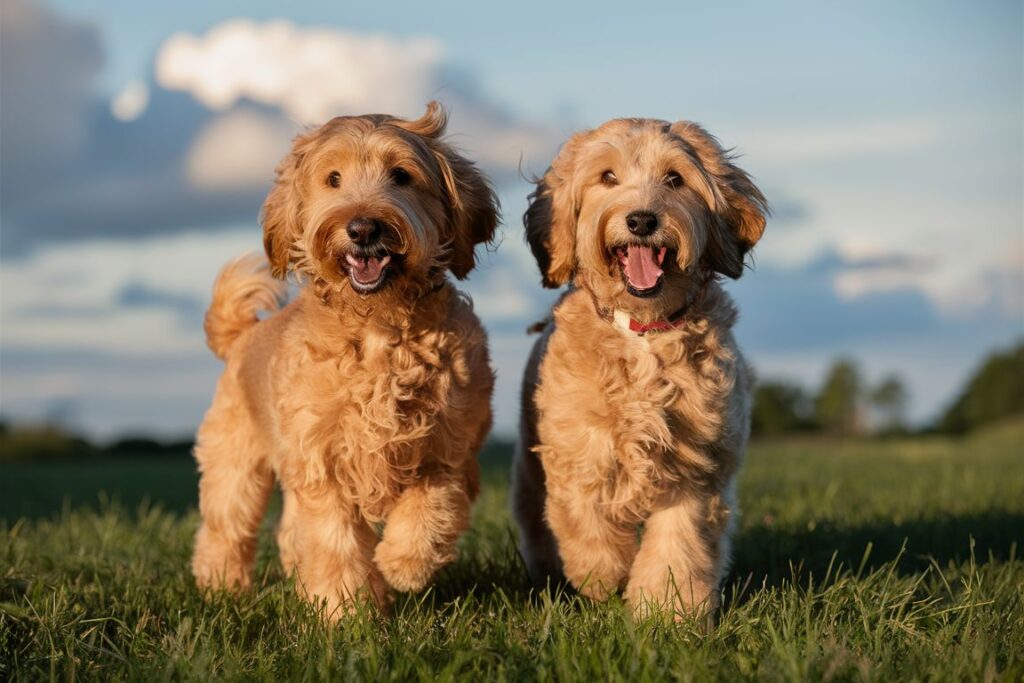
<point>137,141</point>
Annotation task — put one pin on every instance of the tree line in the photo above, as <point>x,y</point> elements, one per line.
<point>843,405</point>
<point>846,405</point>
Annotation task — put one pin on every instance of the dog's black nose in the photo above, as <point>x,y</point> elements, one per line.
<point>363,230</point>
<point>642,223</point>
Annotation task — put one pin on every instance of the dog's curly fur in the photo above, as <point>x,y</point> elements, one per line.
<point>630,444</point>
<point>368,407</point>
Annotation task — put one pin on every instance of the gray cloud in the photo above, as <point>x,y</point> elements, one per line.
<point>831,262</point>
<point>109,394</point>
<point>119,179</point>
<point>793,309</point>
<point>787,210</point>
<point>47,69</point>
<point>69,170</point>
<point>140,295</point>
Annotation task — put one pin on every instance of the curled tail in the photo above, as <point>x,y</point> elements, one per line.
<point>243,288</point>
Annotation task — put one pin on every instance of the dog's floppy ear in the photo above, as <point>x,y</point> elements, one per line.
<point>472,204</point>
<point>740,210</point>
<point>550,218</point>
<point>282,208</point>
<point>475,211</point>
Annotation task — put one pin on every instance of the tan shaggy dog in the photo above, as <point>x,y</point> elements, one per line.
<point>369,395</point>
<point>636,400</point>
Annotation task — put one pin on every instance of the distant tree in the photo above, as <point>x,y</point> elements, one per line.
<point>996,391</point>
<point>837,407</point>
<point>41,441</point>
<point>890,398</point>
<point>781,408</point>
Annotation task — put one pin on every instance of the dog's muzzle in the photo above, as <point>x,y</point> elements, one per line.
<point>367,260</point>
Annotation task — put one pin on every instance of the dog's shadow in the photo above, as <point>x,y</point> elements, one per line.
<point>766,557</point>
<point>771,556</point>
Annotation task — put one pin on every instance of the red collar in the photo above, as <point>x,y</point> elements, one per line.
<point>673,322</point>
<point>623,320</point>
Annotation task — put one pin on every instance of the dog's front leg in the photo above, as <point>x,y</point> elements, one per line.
<point>421,531</point>
<point>596,551</point>
<point>333,554</point>
<point>234,488</point>
<point>677,568</point>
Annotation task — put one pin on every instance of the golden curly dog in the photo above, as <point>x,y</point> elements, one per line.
<point>369,395</point>
<point>636,400</point>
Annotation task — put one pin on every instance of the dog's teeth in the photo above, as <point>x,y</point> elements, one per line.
<point>384,260</point>
<point>352,260</point>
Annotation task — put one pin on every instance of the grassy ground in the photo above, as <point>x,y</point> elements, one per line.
<point>881,561</point>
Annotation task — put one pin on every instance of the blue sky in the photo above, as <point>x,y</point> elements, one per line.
<point>887,136</point>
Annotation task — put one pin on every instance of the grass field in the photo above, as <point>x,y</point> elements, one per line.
<point>895,560</point>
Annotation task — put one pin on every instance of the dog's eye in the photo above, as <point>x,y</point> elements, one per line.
<point>673,179</point>
<point>609,179</point>
<point>399,176</point>
<point>334,179</point>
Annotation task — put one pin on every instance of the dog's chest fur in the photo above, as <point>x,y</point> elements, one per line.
<point>654,408</point>
<point>371,409</point>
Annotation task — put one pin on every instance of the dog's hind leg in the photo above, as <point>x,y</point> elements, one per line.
<point>536,542</point>
<point>529,495</point>
<point>234,488</point>
<point>286,531</point>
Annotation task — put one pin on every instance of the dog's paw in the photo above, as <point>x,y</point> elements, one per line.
<point>596,588</point>
<point>332,606</point>
<point>405,567</point>
<point>597,575</point>
<point>221,576</point>
<point>218,564</point>
<point>670,602</point>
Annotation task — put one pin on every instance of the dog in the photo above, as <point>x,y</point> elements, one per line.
<point>636,399</point>
<point>368,396</point>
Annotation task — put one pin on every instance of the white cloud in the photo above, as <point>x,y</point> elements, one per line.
<point>498,292</point>
<point>131,102</point>
<point>920,187</point>
<point>311,74</point>
<point>67,300</point>
<point>115,330</point>
<point>237,150</point>
<point>83,284</point>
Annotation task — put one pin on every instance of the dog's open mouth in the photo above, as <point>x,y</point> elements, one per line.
<point>641,267</point>
<point>368,271</point>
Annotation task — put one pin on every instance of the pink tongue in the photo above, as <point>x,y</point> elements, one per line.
<point>642,266</point>
<point>368,270</point>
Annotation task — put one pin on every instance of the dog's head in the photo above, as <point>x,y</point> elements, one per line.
<point>640,211</point>
<point>367,203</point>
